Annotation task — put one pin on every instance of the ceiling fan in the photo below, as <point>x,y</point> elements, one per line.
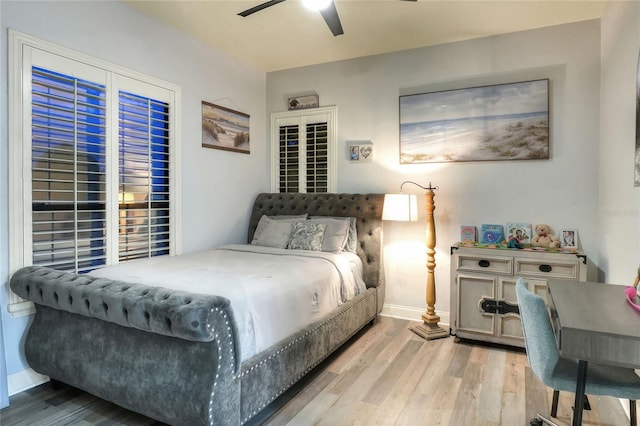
<point>328,12</point>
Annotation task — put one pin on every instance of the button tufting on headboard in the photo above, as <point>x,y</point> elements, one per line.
<point>366,208</point>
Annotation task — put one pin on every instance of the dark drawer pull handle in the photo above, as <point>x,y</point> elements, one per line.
<point>484,263</point>
<point>545,268</point>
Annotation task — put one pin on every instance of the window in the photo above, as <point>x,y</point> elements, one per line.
<point>95,147</point>
<point>303,150</point>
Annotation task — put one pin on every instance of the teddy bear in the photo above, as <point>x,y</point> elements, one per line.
<point>544,237</point>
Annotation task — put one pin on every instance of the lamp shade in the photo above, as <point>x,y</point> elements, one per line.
<point>401,207</point>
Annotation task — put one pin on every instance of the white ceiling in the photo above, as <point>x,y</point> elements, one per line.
<point>287,35</point>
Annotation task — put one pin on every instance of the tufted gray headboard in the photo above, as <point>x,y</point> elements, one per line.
<point>366,208</point>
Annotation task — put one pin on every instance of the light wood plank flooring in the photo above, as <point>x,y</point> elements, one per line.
<point>385,376</point>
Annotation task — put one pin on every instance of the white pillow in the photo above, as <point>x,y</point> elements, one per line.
<point>335,237</point>
<point>352,238</point>
<point>273,232</point>
<point>307,236</point>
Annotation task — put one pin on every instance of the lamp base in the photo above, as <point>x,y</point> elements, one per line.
<point>429,331</point>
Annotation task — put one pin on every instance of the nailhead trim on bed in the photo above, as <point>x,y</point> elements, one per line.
<point>230,361</point>
<point>291,344</point>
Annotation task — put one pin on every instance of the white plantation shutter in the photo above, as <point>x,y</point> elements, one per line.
<point>68,171</point>
<point>144,194</point>
<point>303,150</point>
<point>289,158</point>
<point>93,161</point>
<point>317,157</point>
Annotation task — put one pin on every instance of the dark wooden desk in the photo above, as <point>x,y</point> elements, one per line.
<point>593,322</point>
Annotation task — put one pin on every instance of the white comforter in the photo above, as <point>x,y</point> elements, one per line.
<point>274,292</point>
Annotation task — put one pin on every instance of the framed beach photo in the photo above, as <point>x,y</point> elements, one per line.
<point>569,238</point>
<point>489,123</point>
<point>224,128</point>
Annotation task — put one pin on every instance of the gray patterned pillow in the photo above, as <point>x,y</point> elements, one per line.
<point>307,236</point>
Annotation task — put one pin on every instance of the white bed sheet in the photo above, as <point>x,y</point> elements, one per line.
<point>273,292</point>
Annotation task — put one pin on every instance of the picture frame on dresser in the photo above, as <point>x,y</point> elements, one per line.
<point>521,232</point>
<point>569,238</point>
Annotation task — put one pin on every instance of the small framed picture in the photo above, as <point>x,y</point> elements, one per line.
<point>569,238</point>
<point>491,234</point>
<point>303,102</point>
<point>360,151</point>
<point>468,234</point>
<point>521,232</point>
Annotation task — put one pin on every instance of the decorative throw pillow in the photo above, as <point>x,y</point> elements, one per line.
<point>307,236</point>
<point>352,238</point>
<point>335,237</point>
<point>273,232</point>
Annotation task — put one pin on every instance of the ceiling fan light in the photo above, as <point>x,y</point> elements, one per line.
<point>316,4</point>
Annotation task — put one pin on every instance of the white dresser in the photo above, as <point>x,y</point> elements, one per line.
<point>483,293</point>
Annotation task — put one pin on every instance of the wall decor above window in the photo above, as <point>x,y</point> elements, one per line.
<point>303,102</point>
<point>224,128</point>
<point>488,123</point>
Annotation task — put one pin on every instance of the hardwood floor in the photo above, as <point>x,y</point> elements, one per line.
<point>385,376</point>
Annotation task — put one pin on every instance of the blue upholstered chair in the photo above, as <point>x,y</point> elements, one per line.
<point>560,373</point>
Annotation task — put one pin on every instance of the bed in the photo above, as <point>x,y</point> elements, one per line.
<point>179,356</point>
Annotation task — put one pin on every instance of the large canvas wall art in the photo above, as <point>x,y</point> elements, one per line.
<point>637,168</point>
<point>489,123</point>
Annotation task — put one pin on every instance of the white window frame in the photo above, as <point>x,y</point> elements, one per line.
<point>19,122</point>
<point>301,118</point>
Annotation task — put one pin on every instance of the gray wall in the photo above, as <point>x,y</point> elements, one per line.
<point>561,191</point>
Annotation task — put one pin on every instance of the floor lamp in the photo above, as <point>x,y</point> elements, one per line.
<point>403,207</point>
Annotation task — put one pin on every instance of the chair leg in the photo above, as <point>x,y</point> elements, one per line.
<point>554,403</point>
<point>632,412</point>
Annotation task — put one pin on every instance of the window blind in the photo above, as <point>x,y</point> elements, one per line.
<point>317,157</point>
<point>289,154</point>
<point>69,174</point>
<point>68,171</point>
<point>144,192</point>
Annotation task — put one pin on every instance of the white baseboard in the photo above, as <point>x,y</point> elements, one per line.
<point>411,314</point>
<point>23,380</point>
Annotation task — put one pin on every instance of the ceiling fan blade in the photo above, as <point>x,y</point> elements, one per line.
<point>259,7</point>
<point>330,15</point>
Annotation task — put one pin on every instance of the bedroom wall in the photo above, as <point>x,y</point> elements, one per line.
<point>561,191</point>
<point>619,208</point>
<point>217,187</point>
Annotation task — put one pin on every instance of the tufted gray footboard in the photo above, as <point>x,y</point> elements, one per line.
<point>169,355</point>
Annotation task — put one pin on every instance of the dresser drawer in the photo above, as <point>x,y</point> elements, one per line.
<point>489,264</point>
<point>568,270</point>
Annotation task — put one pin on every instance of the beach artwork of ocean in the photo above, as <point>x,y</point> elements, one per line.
<point>224,128</point>
<point>489,123</point>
